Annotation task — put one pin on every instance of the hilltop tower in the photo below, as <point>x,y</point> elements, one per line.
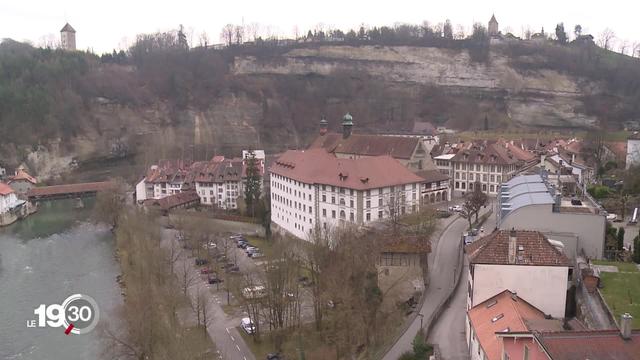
<point>68,38</point>
<point>493,26</point>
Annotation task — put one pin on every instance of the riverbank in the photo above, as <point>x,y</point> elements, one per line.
<point>44,259</point>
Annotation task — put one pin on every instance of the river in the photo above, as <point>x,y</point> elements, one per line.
<point>44,259</point>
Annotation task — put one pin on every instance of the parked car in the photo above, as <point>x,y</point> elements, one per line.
<point>243,244</point>
<point>250,249</point>
<point>443,213</point>
<point>214,280</point>
<point>275,356</point>
<point>234,269</point>
<point>200,262</point>
<point>255,255</point>
<point>247,325</point>
<point>456,208</point>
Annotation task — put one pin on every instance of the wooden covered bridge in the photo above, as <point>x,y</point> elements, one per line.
<point>67,191</point>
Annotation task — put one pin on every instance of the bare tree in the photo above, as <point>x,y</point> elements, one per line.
<point>204,39</point>
<point>227,33</point>
<point>238,34</point>
<point>635,49</point>
<point>186,277</point>
<point>476,199</point>
<point>624,44</point>
<point>606,39</point>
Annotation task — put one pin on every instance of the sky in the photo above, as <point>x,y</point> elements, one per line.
<point>113,24</point>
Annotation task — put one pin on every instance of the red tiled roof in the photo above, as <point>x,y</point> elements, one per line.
<point>536,250</point>
<point>430,176</point>
<point>581,345</point>
<point>504,312</point>
<point>316,166</point>
<point>172,201</point>
<point>399,147</point>
<point>5,189</point>
<point>519,153</point>
<point>21,174</point>
<point>489,154</point>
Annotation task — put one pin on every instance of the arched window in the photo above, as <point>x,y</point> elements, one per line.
<point>342,215</point>
<point>341,202</point>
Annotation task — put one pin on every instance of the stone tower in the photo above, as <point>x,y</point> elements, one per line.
<point>347,125</point>
<point>493,26</point>
<point>68,38</point>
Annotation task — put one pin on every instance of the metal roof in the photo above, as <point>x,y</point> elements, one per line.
<point>521,191</point>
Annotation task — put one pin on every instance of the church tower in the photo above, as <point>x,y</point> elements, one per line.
<point>68,38</point>
<point>493,26</point>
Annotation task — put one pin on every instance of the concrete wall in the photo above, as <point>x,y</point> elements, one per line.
<point>589,228</point>
<point>633,153</point>
<point>545,286</point>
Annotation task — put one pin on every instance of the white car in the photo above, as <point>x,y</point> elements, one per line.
<point>247,326</point>
<point>456,208</point>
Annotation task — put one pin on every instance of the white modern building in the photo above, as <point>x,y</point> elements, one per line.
<point>633,151</point>
<point>523,262</point>
<point>10,205</point>
<point>531,202</point>
<point>314,189</point>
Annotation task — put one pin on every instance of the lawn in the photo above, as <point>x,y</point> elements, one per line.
<point>265,246</point>
<point>622,266</point>
<point>306,338</point>
<point>621,291</point>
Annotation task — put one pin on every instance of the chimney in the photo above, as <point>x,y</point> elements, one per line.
<point>625,326</point>
<point>324,124</point>
<point>513,239</point>
<point>347,125</point>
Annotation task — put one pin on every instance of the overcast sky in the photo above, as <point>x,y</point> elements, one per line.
<point>110,24</point>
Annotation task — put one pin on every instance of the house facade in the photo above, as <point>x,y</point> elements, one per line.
<point>21,182</point>
<point>490,165</point>
<point>219,182</point>
<point>501,260</point>
<point>11,208</point>
<point>314,189</point>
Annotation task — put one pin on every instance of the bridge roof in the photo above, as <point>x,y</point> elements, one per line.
<point>68,189</point>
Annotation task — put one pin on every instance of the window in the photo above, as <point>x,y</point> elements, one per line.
<point>413,186</point>
<point>324,212</point>
<point>333,199</point>
<point>457,185</point>
<point>380,214</point>
<point>380,202</point>
<point>343,215</point>
<point>342,202</point>
<point>324,198</point>
<point>368,204</point>
<point>368,216</point>
<point>351,217</point>
<point>368,192</point>
<point>341,190</point>
<point>350,203</point>
<point>351,192</point>
<point>333,214</point>
<point>492,188</point>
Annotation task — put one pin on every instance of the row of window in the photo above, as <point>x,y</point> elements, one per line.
<point>492,178</point>
<point>484,168</point>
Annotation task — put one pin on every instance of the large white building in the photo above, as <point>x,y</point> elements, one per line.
<point>314,189</point>
<point>10,205</point>
<point>633,151</point>
<point>504,259</point>
<point>531,202</point>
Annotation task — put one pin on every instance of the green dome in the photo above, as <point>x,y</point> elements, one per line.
<point>347,119</point>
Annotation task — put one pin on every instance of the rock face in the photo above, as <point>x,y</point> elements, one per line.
<point>542,98</point>
<point>276,102</point>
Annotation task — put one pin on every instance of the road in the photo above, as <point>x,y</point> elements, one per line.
<point>442,271</point>
<point>442,264</point>
<point>222,328</point>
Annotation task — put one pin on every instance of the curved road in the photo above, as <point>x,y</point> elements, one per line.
<point>442,264</point>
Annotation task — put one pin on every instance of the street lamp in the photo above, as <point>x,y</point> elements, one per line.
<point>421,318</point>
